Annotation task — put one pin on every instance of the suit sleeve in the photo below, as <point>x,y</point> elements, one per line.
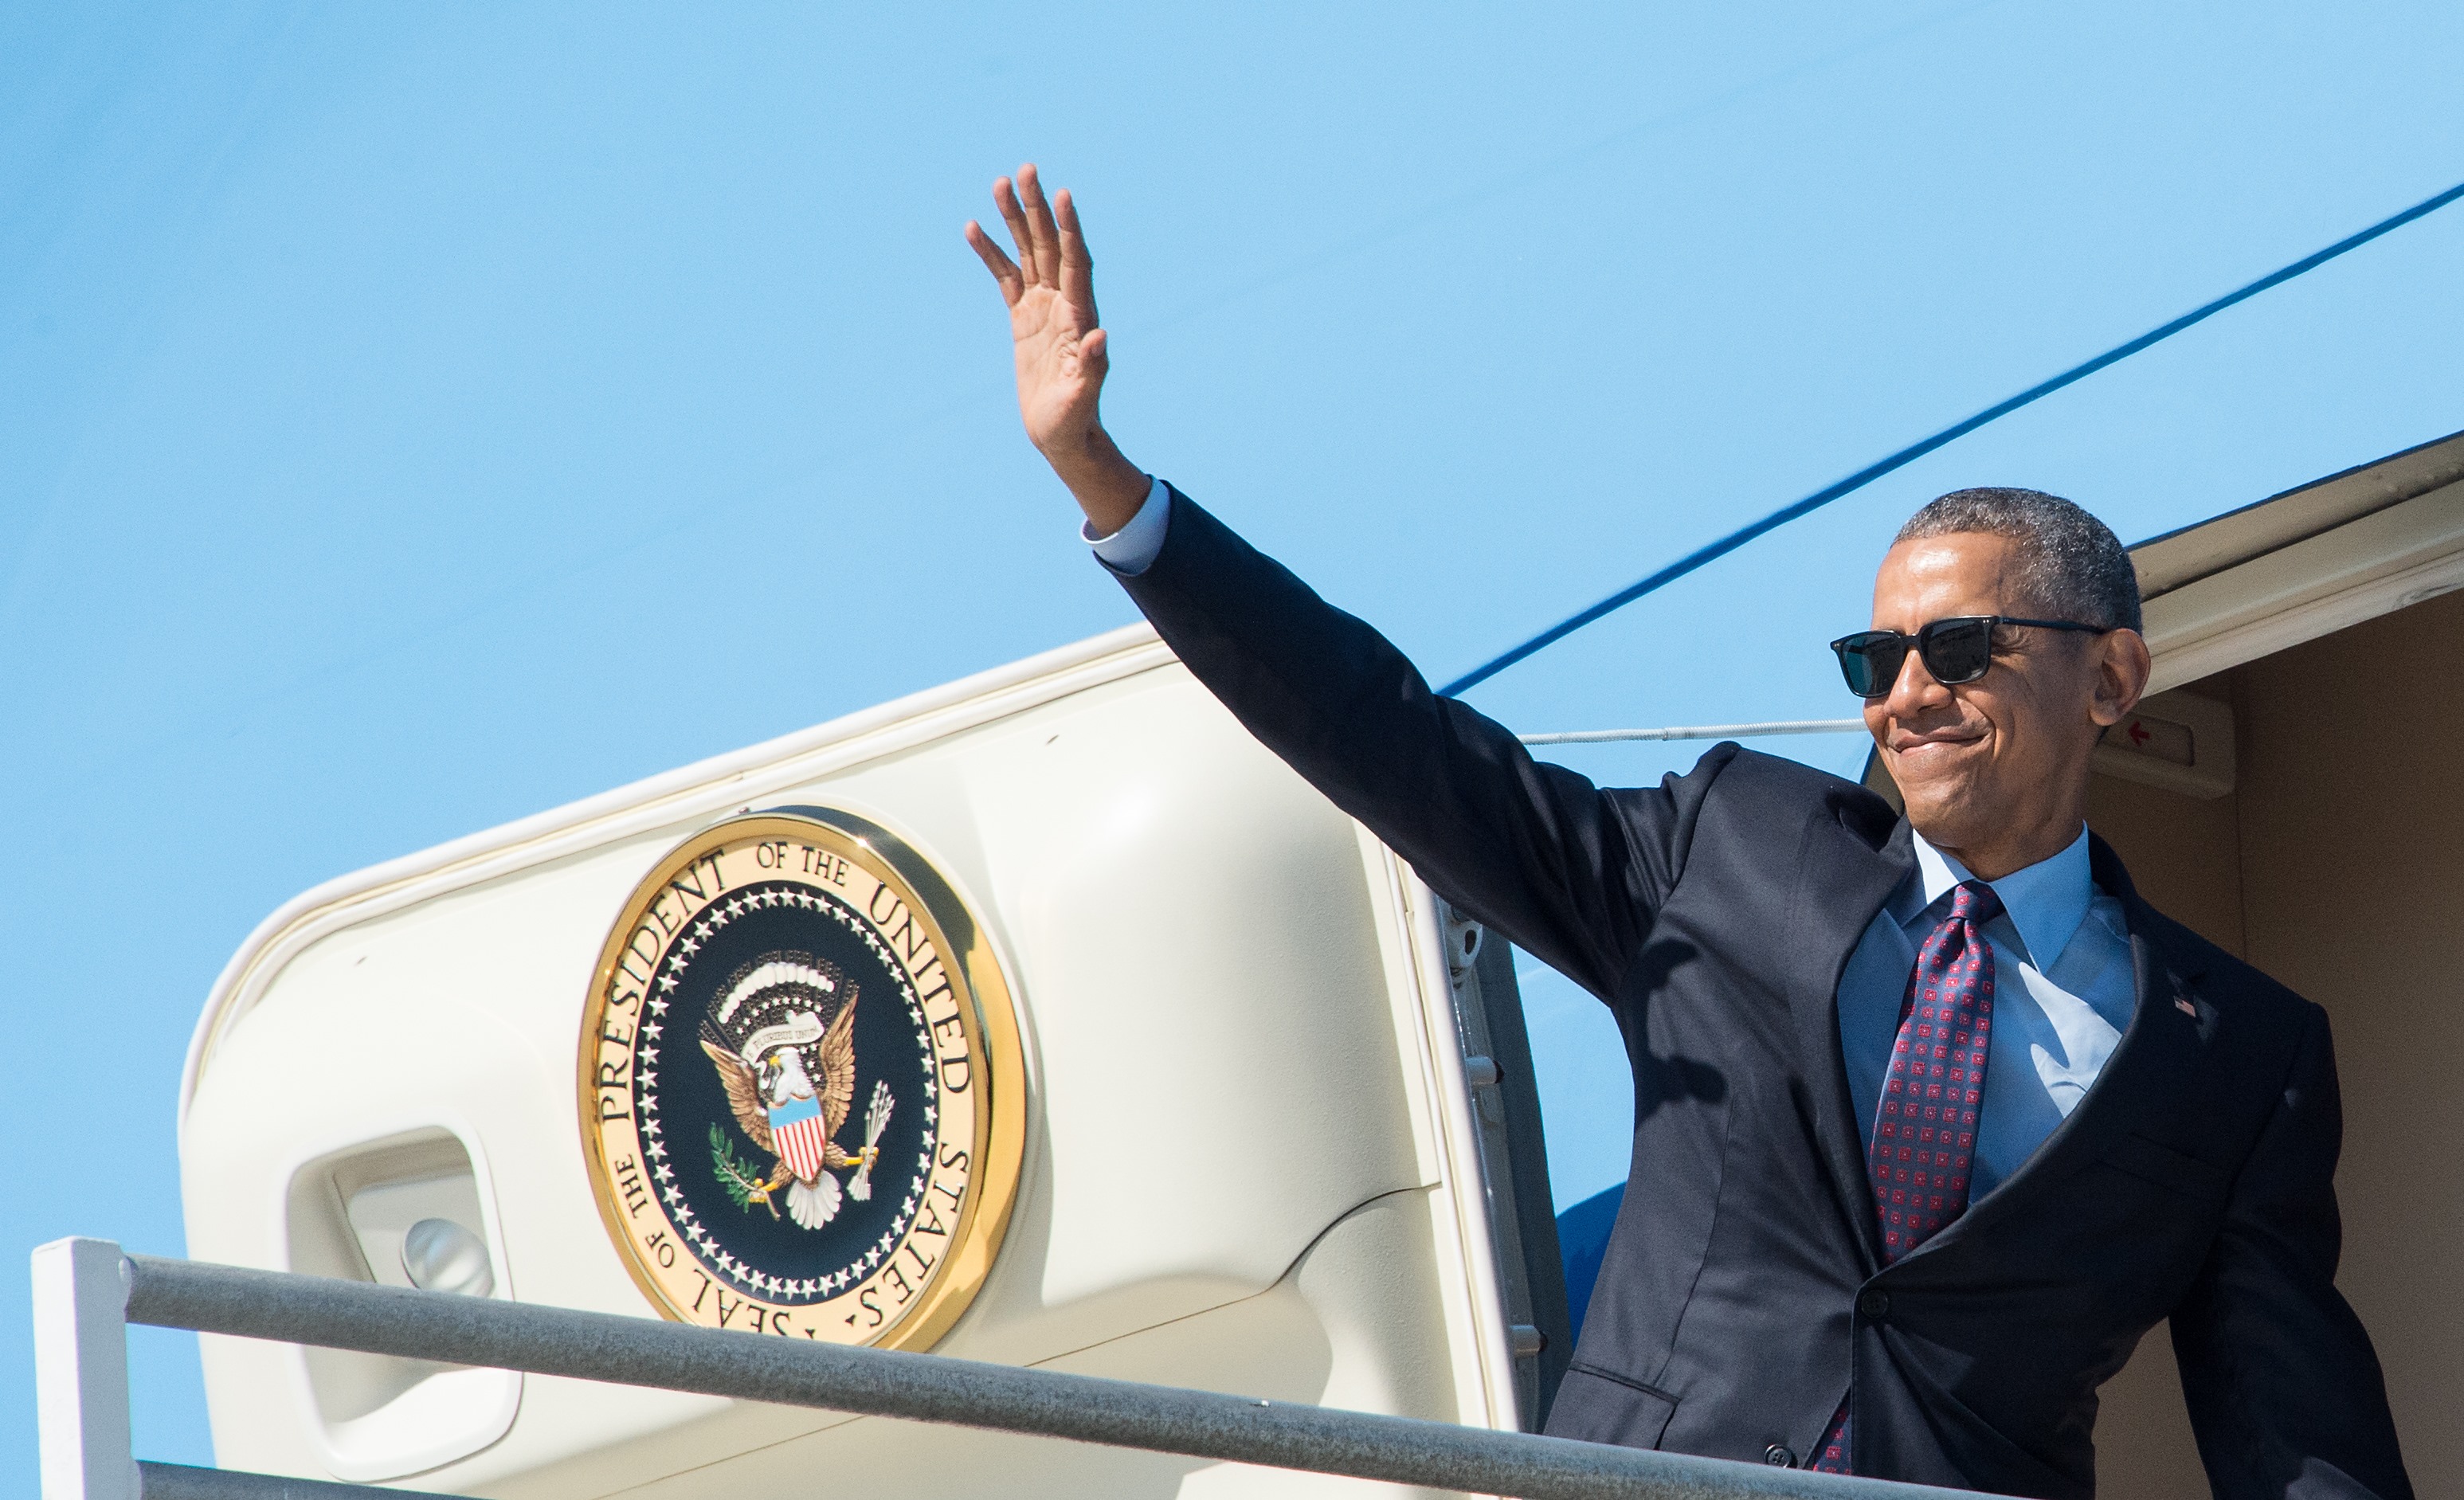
<point>1567,871</point>
<point>2283,1388</point>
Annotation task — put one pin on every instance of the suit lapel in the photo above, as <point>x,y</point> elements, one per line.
<point>1842,880</point>
<point>2159,1045</point>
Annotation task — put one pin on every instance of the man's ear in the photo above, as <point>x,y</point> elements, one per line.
<point>2123,667</point>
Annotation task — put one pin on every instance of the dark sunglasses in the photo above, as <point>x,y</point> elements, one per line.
<point>1956,650</point>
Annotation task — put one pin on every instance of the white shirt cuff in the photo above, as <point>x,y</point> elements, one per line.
<point>1132,550</point>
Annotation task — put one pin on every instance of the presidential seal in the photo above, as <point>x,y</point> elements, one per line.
<point>800,1086</point>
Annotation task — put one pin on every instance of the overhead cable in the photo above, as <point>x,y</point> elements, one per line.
<point>1918,449</point>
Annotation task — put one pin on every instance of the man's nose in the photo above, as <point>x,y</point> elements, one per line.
<point>1915,687</point>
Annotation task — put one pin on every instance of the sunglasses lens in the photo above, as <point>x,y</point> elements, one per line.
<point>1871,661</point>
<point>1958,651</point>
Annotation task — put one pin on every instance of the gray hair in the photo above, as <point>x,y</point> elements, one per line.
<point>2071,564</point>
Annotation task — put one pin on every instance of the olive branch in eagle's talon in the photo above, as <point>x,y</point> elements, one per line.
<point>744,1184</point>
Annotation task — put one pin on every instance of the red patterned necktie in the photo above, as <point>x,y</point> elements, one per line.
<point>1924,1132</point>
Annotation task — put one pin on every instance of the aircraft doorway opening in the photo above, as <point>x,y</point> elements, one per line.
<point>2335,864</point>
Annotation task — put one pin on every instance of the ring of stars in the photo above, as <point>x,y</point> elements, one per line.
<point>724,1265</point>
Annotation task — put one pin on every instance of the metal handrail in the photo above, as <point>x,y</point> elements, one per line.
<point>187,1482</point>
<point>86,1292</point>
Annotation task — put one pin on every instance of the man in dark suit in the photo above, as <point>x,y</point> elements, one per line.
<point>1934,1117</point>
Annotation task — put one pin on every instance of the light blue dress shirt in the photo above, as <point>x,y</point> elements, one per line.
<point>2063,992</point>
<point>2062,985</point>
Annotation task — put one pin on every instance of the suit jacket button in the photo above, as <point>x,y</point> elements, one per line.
<point>1779,1457</point>
<point>1874,1303</point>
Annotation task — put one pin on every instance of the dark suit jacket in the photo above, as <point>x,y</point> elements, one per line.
<point>1743,1292</point>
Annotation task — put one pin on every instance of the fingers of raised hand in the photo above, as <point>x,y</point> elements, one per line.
<point>1046,235</point>
<point>998,264</point>
<point>1077,268</point>
<point>1005,199</point>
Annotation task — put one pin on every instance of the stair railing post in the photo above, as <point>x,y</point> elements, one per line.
<point>81,1371</point>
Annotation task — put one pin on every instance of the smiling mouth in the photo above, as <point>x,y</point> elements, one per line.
<point>1944,738</point>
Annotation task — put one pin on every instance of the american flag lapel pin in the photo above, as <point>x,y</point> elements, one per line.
<point>2185,1007</point>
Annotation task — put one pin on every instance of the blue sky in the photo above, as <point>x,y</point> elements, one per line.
<point>380,388</point>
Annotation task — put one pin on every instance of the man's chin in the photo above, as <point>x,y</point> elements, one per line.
<point>1936,805</point>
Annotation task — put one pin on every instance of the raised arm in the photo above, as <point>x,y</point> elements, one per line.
<point>1570,872</point>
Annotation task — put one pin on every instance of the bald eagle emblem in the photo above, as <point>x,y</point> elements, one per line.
<point>781,1034</point>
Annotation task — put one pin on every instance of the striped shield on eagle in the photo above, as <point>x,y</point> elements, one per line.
<point>782,1033</point>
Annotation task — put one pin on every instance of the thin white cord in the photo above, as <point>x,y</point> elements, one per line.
<point>1789,726</point>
